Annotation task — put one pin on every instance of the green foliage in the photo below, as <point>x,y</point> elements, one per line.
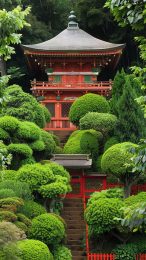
<point>117,159</point>
<point>58,170</point>
<point>49,145</point>
<point>9,123</point>
<point>7,216</point>
<point>21,217</point>
<point>87,103</point>
<point>134,199</point>
<point>126,252</point>
<point>102,122</point>
<point>5,193</point>
<point>4,135</point>
<point>21,226</point>
<point>35,175</point>
<point>11,203</point>
<point>110,142</point>
<point>33,250</point>
<point>28,131</point>
<point>48,229</point>
<point>32,209</point>
<point>101,215</point>
<point>9,175</point>
<point>20,149</point>
<point>37,146</point>
<point>11,23</point>
<point>53,190</point>
<point>83,141</point>
<point>25,107</point>
<point>21,189</point>
<point>62,253</point>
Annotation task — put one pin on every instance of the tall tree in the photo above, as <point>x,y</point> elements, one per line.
<point>11,22</point>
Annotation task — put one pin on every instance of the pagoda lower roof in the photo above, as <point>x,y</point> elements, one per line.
<point>74,39</point>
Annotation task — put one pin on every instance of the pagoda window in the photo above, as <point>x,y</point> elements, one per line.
<point>57,78</point>
<point>65,109</point>
<point>87,79</point>
<point>51,108</point>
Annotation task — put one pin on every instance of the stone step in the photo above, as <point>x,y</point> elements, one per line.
<point>74,231</point>
<point>75,237</point>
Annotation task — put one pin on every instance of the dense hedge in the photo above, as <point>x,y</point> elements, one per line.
<point>134,199</point>
<point>102,122</point>
<point>110,142</point>
<point>48,229</point>
<point>62,253</point>
<point>116,158</point>
<point>5,193</point>
<point>87,103</point>
<point>53,190</point>
<point>33,250</point>
<point>100,215</point>
<point>32,209</point>
<point>25,107</point>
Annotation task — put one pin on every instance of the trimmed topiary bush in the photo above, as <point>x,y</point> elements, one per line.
<point>110,142</point>
<point>33,250</point>
<point>37,146</point>
<point>72,145</point>
<point>9,123</point>
<point>11,203</point>
<point>21,217</point>
<point>48,229</point>
<point>134,199</point>
<point>62,253</point>
<point>22,226</point>
<point>21,149</point>
<point>126,252</point>
<point>50,145</point>
<point>32,209</point>
<point>102,122</point>
<point>5,193</point>
<point>21,189</point>
<point>9,175</point>
<point>100,215</point>
<point>4,135</point>
<point>87,103</point>
<point>28,131</point>
<point>53,190</point>
<point>35,175</point>
<point>58,170</point>
<point>7,216</point>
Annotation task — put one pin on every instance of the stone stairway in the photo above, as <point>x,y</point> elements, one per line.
<point>73,214</point>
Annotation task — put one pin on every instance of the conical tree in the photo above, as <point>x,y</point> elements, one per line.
<point>131,125</point>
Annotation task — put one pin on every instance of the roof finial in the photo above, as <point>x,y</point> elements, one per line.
<point>72,21</point>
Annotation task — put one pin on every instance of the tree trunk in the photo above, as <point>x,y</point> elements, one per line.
<point>2,66</point>
<point>127,190</point>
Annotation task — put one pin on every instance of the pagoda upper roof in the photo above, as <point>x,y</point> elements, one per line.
<point>73,39</point>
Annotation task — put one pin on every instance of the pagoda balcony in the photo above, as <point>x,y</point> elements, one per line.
<point>62,124</point>
<point>40,88</point>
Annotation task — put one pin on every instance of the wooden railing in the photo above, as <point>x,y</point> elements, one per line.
<point>101,257</point>
<point>46,85</point>
<point>61,123</point>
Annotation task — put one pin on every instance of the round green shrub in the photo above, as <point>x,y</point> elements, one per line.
<point>21,189</point>
<point>98,164</point>
<point>37,146</point>
<point>134,199</point>
<point>21,217</point>
<point>28,131</point>
<point>53,190</point>
<point>57,169</point>
<point>9,123</point>
<point>5,193</point>
<point>48,229</point>
<point>116,159</point>
<point>33,250</point>
<point>4,135</point>
<point>21,149</point>
<point>126,252</point>
<point>110,142</point>
<point>7,216</point>
<point>21,225</point>
<point>11,203</point>
<point>72,145</point>
<point>35,175</point>
<point>28,160</point>
<point>32,209</point>
<point>87,103</point>
<point>58,150</point>
<point>100,215</point>
<point>49,144</point>
<point>102,122</point>
<point>62,253</point>
<point>9,175</point>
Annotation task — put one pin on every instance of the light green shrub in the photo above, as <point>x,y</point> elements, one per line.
<point>110,142</point>
<point>21,217</point>
<point>9,123</point>
<point>28,160</point>
<point>102,122</point>
<point>53,190</point>
<point>21,189</point>
<point>35,175</point>
<point>87,103</point>
<point>4,135</point>
<point>9,175</point>
<point>134,199</point>
<point>101,215</point>
<point>21,225</point>
<point>21,149</point>
<point>37,146</point>
<point>57,169</point>
<point>49,145</point>
<point>48,229</point>
<point>11,203</point>
<point>33,250</point>
<point>7,216</point>
<point>116,159</point>
<point>5,193</point>
<point>62,253</point>
<point>28,131</point>
<point>32,209</point>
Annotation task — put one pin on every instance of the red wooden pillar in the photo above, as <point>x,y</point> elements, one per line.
<point>104,182</point>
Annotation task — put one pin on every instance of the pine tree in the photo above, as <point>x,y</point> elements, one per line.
<point>131,126</point>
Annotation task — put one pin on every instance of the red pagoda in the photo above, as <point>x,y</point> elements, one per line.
<point>69,65</point>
